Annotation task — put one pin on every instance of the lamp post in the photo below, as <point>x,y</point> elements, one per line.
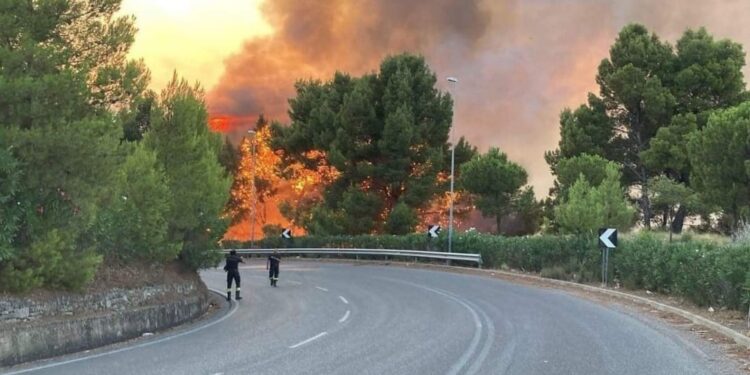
<point>252,133</point>
<point>453,81</point>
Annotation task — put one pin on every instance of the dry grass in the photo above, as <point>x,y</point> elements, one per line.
<point>686,236</point>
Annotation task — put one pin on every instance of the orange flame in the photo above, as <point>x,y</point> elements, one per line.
<point>260,163</point>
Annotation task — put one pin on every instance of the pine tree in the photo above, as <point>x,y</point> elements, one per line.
<point>384,136</point>
<point>189,153</point>
<point>587,208</point>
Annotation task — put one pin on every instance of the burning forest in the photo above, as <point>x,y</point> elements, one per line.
<point>370,163</point>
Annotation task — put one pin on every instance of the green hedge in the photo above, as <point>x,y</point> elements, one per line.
<point>705,273</point>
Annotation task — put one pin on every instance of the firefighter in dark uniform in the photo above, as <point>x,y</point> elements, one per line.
<point>233,273</point>
<point>272,265</point>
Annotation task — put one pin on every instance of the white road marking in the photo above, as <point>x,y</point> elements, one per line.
<point>345,317</point>
<point>149,343</point>
<point>319,335</point>
<point>464,360</point>
<point>323,289</point>
<point>487,345</point>
<point>343,300</point>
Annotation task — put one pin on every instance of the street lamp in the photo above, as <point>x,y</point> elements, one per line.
<point>453,81</point>
<point>252,133</point>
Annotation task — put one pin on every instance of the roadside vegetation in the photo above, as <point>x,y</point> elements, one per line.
<point>93,165</point>
<point>663,143</point>
<point>706,270</point>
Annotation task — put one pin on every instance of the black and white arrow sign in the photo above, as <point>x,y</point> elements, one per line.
<point>433,231</point>
<point>286,233</point>
<point>608,238</point>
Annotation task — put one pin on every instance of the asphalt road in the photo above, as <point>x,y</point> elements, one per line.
<point>345,319</point>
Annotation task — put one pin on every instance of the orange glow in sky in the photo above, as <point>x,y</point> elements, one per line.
<point>192,36</point>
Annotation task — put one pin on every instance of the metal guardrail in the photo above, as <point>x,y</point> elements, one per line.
<point>475,258</point>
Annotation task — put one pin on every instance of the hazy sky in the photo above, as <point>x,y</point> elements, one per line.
<point>519,62</point>
<point>192,36</point>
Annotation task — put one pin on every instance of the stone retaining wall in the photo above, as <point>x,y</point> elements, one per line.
<point>36,329</point>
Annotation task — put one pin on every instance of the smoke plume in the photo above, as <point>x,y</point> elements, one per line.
<point>519,63</point>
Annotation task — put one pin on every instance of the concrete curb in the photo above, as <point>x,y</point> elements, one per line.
<point>25,342</point>
<point>192,327</point>
<point>738,337</point>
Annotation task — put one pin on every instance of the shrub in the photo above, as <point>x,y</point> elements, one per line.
<point>741,235</point>
<point>134,225</point>
<point>704,272</point>
<point>587,207</point>
<point>52,262</point>
<point>555,272</point>
<point>401,220</point>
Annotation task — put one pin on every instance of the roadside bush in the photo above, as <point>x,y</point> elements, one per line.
<point>16,278</point>
<point>523,253</point>
<point>641,264</point>
<point>554,272</point>
<point>53,262</point>
<point>401,220</point>
<point>10,213</point>
<point>704,272</point>
<point>197,257</point>
<point>134,225</point>
<point>741,235</point>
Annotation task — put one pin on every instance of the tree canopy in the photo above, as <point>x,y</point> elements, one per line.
<point>587,207</point>
<point>721,164</point>
<point>652,96</point>
<point>385,134</point>
<point>73,111</point>
<point>495,181</point>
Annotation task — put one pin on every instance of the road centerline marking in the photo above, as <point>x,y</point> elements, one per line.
<point>343,300</point>
<point>319,335</point>
<point>345,317</point>
<point>321,288</point>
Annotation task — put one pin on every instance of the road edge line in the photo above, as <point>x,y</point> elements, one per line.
<point>725,331</point>
<point>232,309</point>
<point>738,337</point>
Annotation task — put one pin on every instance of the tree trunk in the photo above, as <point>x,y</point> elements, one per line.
<point>499,221</point>
<point>645,202</point>
<point>679,220</point>
<point>637,126</point>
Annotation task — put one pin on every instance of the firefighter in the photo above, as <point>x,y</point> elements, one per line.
<point>273,266</point>
<point>233,273</point>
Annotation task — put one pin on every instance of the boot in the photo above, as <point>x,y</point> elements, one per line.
<point>275,281</point>
<point>229,296</point>
<point>271,278</point>
<point>237,295</point>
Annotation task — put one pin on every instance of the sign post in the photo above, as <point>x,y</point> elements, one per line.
<point>607,241</point>
<point>432,232</point>
<point>286,236</point>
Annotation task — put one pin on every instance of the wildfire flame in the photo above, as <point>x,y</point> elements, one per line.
<point>261,190</point>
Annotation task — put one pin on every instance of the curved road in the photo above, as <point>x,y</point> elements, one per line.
<point>344,319</point>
